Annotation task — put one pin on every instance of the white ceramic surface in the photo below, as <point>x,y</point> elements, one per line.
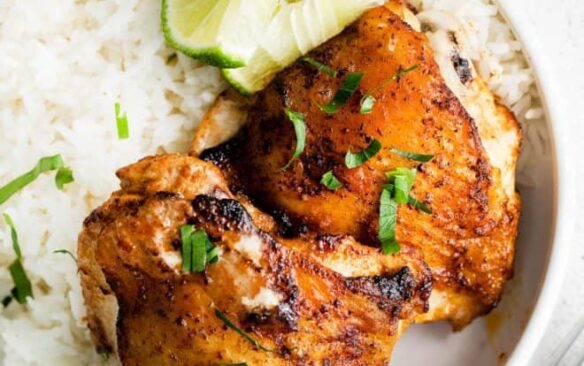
<point>511,334</point>
<point>559,26</point>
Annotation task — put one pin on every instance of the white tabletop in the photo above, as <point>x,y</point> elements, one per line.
<point>560,27</point>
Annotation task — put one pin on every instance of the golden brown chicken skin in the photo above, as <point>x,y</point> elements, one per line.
<point>468,241</point>
<point>312,301</point>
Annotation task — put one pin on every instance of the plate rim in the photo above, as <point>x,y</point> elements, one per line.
<point>563,207</point>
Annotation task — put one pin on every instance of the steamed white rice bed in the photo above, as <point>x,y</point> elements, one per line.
<point>63,65</point>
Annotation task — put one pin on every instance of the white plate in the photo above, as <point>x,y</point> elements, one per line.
<point>510,335</point>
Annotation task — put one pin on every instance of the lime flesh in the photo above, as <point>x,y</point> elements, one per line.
<point>221,33</point>
<point>252,40</point>
<point>294,30</point>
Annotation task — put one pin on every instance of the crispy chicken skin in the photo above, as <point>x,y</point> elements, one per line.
<point>468,241</point>
<point>323,300</point>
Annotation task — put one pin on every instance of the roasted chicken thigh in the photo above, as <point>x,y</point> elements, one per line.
<point>468,241</point>
<point>323,300</point>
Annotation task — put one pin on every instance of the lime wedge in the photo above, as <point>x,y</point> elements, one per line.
<point>295,29</point>
<point>222,33</point>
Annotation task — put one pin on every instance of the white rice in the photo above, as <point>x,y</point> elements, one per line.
<point>63,65</point>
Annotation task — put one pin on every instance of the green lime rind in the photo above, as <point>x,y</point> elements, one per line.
<point>213,56</point>
<point>254,77</point>
<point>232,80</point>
